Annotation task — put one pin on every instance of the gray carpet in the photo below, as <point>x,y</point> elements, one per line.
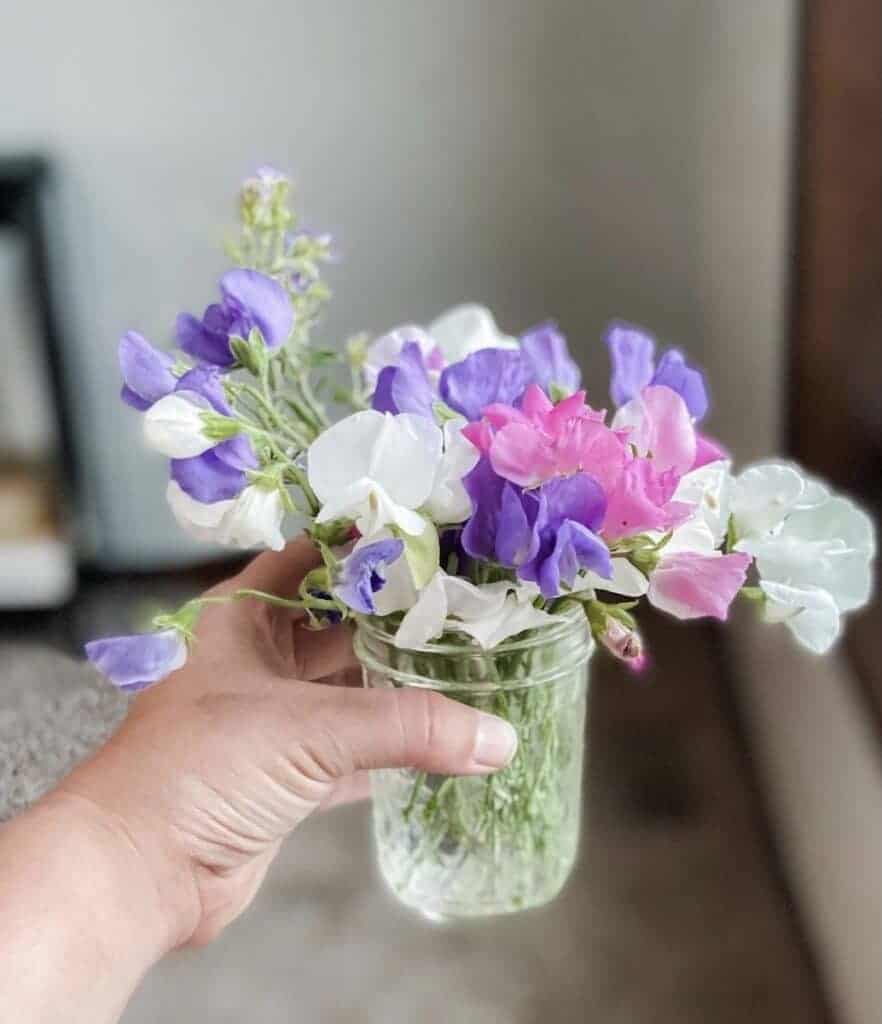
<point>672,917</point>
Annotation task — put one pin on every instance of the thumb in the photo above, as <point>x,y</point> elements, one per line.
<point>412,728</point>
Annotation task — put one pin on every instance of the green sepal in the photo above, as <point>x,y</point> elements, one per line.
<point>219,428</point>
<point>423,553</point>
<point>731,535</point>
<point>443,413</point>
<point>331,534</point>
<point>756,594</point>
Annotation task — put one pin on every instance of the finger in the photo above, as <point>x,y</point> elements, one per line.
<point>280,572</point>
<point>322,652</point>
<point>408,728</point>
<point>349,790</point>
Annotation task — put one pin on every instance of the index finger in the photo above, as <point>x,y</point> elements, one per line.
<point>280,572</point>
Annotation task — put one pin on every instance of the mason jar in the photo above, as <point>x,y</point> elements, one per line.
<point>473,846</point>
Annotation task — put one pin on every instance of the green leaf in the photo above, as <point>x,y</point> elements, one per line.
<point>423,554</point>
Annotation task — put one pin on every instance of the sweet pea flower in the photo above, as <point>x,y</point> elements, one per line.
<point>249,299</point>
<point>405,386</point>
<point>483,378</point>
<point>541,440</point>
<point>253,518</point>
<point>174,425</point>
<point>689,585</point>
<point>659,426</point>
<point>548,535</point>
<point>146,372</point>
<point>489,612</point>
<point>133,663</point>
<point>815,561</point>
<point>624,643</point>
<point>449,501</point>
<point>642,501</point>
<point>632,351</point>
<point>454,335</point>
<point>551,366</point>
<point>376,469</point>
<point>385,352</point>
<point>362,574</point>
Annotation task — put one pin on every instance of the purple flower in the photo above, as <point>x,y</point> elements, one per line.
<point>486,376</point>
<point>405,387</point>
<point>135,662</point>
<point>146,372</point>
<point>248,299</point>
<point>206,381</point>
<point>545,351</point>
<point>215,475</point>
<point>361,574</point>
<point>632,351</point>
<point>546,534</point>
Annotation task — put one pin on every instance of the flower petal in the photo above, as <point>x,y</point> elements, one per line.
<point>173,425</point>
<point>631,351</point>
<point>688,585</point>
<point>487,376</point>
<point>146,371</point>
<point>135,662</point>
<point>675,373</point>
<point>548,358</point>
<point>261,301</point>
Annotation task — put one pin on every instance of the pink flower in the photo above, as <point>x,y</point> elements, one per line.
<point>624,643</point>
<point>542,440</point>
<point>707,450</point>
<point>658,424</point>
<point>640,500</point>
<point>689,585</point>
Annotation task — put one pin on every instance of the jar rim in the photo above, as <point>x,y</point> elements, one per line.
<point>568,618</point>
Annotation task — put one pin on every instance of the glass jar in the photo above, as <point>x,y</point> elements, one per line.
<point>472,846</point>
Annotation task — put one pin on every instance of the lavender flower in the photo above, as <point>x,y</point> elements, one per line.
<point>133,663</point>
<point>632,351</point>
<point>248,299</point>
<point>146,372</point>
<point>405,387</point>
<point>545,351</point>
<point>361,574</point>
<point>215,475</point>
<point>486,376</point>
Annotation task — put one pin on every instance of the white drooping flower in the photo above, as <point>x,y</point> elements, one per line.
<point>709,489</point>
<point>376,469</point>
<point>489,612</point>
<point>454,335</point>
<point>813,551</point>
<point>449,501</point>
<point>252,519</point>
<point>174,425</point>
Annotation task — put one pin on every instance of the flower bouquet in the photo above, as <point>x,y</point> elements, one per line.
<point>482,526</point>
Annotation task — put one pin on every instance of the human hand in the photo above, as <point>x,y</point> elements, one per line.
<point>213,768</point>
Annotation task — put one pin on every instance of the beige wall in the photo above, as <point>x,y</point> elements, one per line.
<point>573,158</point>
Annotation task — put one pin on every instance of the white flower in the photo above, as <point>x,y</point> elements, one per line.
<point>813,552</point>
<point>255,520</point>
<point>453,336</point>
<point>809,612</point>
<point>489,613</point>
<point>173,425</point>
<point>764,494</point>
<point>449,502</point>
<point>709,489</point>
<point>377,469</point>
<point>252,519</point>
<point>466,329</point>
<point>626,580</point>
<point>399,592</point>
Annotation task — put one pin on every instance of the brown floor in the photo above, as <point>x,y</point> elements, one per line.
<point>674,916</point>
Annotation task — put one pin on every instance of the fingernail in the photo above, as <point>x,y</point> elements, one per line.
<point>495,744</point>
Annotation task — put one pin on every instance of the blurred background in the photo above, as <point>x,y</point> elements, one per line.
<point>712,170</point>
